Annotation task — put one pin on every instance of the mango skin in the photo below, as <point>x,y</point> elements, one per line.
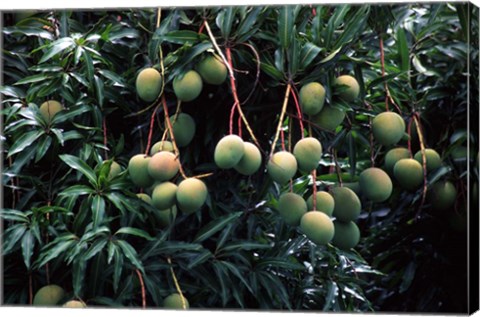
<point>164,195</point>
<point>49,295</point>
<point>183,129</point>
<point>212,70</point>
<point>188,86</point>
<point>49,109</point>
<point>292,207</point>
<point>308,152</point>
<point>74,304</point>
<point>191,195</point>
<point>282,166</point>
<point>388,128</point>
<point>324,203</point>
<point>347,235</point>
<point>138,170</point>
<point>393,156</point>
<point>229,151</point>
<point>347,204</point>
<point>251,160</point>
<point>312,98</point>
<point>146,198</point>
<point>318,227</point>
<point>115,169</point>
<point>329,118</point>
<point>409,173</point>
<point>351,93</point>
<point>163,166</point>
<point>166,216</point>
<point>376,184</point>
<point>148,84</point>
<point>442,195</point>
<point>174,301</point>
<point>432,158</point>
<point>162,146</point>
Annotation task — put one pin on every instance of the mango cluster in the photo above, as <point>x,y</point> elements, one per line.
<point>54,295</point>
<point>187,86</point>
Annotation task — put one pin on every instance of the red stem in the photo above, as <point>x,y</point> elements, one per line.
<point>144,298</point>
<point>239,126</point>
<point>30,289</point>
<point>409,131</point>
<point>299,110</point>
<point>282,138</point>
<point>314,177</point>
<point>200,30</point>
<point>232,113</point>
<point>150,131</point>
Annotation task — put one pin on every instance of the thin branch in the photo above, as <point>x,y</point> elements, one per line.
<point>280,121</point>
<point>237,101</point>
<point>142,285</point>
<point>257,75</point>
<point>337,168</point>
<point>172,136</point>
<point>150,131</point>
<point>299,110</point>
<point>219,51</point>
<point>424,162</point>
<point>314,186</point>
<point>177,285</point>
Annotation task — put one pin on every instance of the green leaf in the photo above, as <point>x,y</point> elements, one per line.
<point>182,37</point>
<point>244,245</point>
<point>78,276</point>
<point>226,22</point>
<point>24,141</point>
<point>204,256</point>
<point>99,90</point>
<point>63,116</point>
<point>279,262</point>
<point>28,31</point>
<point>130,254</point>
<point>33,79</point>
<point>28,245</point>
<point>13,215</point>
<point>77,190</point>
<point>293,55</point>
<point>12,91</point>
<point>89,66</point>
<point>308,53</point>
<point>98,210</point>
<point>77,164</point>
<point>11,236</point>
<point>334,22</point>
<point>331,55</point>
<point>59,135</point>
<point>403,51</point>
<point>285,26</point>
<point>43,146</point>
<point>118,268</point>
<point>244,30</point>
<point>116,79</point>
<point>408,275</point>
<point>96,247</point>
<point>331,295</point>
<point>55,249</point>
<point>62,45</point>
<point>135,232</point>
<point>215,226</point>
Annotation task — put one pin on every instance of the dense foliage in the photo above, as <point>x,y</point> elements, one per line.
<point>67,221</point>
